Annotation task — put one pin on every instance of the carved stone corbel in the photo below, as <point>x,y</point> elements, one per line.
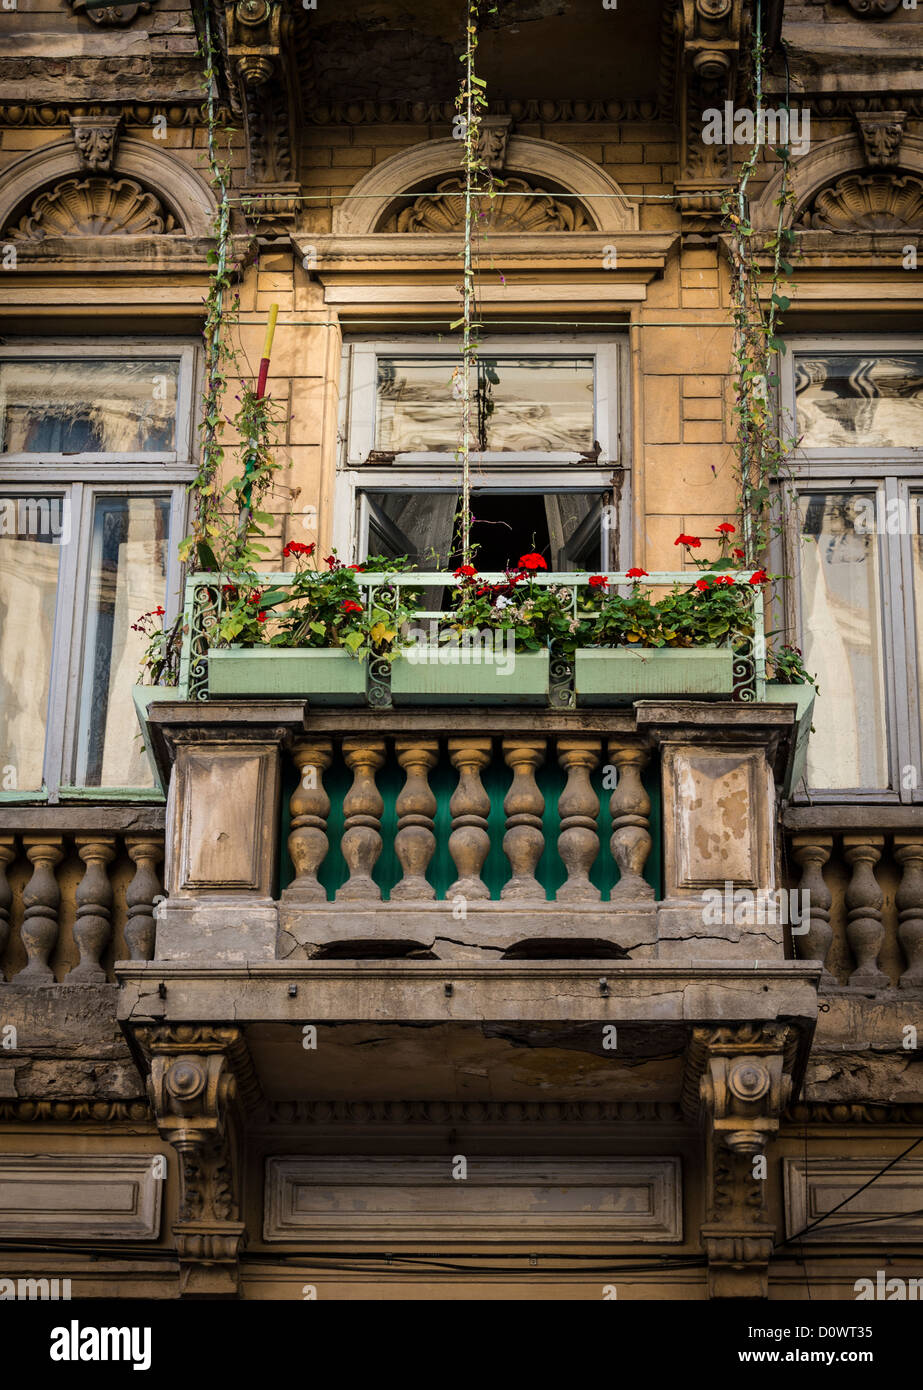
<point>882,133</point>
<point>260,51</point>
<point>199,1078</point>
<point>738,1081</point>
<point>494,138</point>
<point>96,138</point>
<point>711,39</point>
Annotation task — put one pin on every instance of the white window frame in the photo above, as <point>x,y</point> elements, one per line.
<point>528,471</point>
<point>894,476</point>
<point>80,478</point>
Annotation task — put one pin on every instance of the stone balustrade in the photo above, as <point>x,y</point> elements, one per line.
<point>470,834</point>
<point>74,901</point>
<point>865,896</point>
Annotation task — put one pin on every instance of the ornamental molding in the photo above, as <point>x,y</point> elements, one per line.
<point>201,1078</point>
<point>823,167</point>
<point>708,74</point>
<point>109,16</point>
<point>439,112</point>
<point>376,194</point>
<point>881,202</point>
<point>181,193</point>
<point>95,139</point>
<point>535,210</point>
<point>456,1112</point>
<point>881,133</point>
<point>94,207</point>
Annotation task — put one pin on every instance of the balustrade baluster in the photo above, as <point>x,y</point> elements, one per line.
<point>812,852</point>
<point>469,841</point>
<point>93,925</point>
<point>42,900</point>
<point>7,855</point>
<point>363,807</point>
<point>630,805</point>
<point>415,841</point>
<point>908,851</point>
<point>524,804</point>
<point>863,900</point>
<point>578,807</point>
<point>310,806</point>
<point>145,853</point>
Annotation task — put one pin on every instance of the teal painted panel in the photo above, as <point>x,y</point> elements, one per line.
<point>550,872</point>
<point>605,676</point>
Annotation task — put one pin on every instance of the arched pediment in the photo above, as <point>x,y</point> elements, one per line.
<point>534,167</point>
<point>146,192</point>
<point>835,189</point>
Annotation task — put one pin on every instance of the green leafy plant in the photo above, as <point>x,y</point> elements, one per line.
<point>785,665</point>
<point>161,658</point>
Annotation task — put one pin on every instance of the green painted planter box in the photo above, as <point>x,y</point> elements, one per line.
<point>520,680</point>
<point>802,697</point>
<point>325,675</point>
<point>617,675</point>
<point>144,696</point>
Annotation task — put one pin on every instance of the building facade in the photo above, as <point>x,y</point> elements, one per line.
<point>307,999</point>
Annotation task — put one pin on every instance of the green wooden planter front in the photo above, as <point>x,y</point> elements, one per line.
<point>519,680</point>
<point>144,696</point>
<point>802,697</point>
<point>323,675</point>
<point>617,675</point>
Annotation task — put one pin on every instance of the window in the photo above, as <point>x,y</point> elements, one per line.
<point>97,446</point>
<point>854,552</point>
<point>546,469</point>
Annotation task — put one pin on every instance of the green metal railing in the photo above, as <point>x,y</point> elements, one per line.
<point>204,605</point>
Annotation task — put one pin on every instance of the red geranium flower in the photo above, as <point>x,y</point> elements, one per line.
<point>465,571</point>
<point>636,574</point>
<point>726,529</point>
<point>532,562</point>
<point>261,616</point>
<point>360,569</point>
<point>255,598</point>
<point>702,585</point>
<point>298,548</point>
<point>331,561</point>
<point>758,577</point>
<point>724,579</point>
<point>158,612</point>
<point>688,540</point>
<point>738,554</point>
<point>350,606</point>
<point>598,581</point>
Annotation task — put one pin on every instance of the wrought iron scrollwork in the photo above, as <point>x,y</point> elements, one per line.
<point>562,693</point>
<point>206,613</point>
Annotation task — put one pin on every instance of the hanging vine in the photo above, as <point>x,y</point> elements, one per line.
<point>227,522</point>
<point>470,105</point>
<point>758,303</point>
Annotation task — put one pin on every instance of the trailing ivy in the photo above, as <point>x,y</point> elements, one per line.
<point>227,520</point>
<point>757,305</point>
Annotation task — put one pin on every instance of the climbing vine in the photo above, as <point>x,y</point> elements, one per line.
<point>758,267</point>
<point>227,521</point>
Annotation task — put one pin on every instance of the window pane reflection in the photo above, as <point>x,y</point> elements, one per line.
<point>518,404</point>
<point>853,400</point>
<point>96,407</point>
<point>916,544</point>
<point>31,531</point>
<point>128,572</point>
<point>843,640</point>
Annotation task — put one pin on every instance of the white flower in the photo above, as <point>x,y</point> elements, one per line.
<point>503,602</point>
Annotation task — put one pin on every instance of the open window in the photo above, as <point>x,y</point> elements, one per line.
<point>546,468</point>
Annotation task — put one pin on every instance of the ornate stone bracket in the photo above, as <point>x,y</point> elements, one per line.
<point>260,53</point>
<point>95,138</point>
<point>200,1077</point>
<point>111,15</point>
<point>738,1081</point>
<point>711,40</point>
<point>881,133</point>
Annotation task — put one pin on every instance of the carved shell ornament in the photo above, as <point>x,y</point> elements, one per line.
<point>525,213</point>
<point>105,14</point>
<point>96,207</point>
<point>867,202</point>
